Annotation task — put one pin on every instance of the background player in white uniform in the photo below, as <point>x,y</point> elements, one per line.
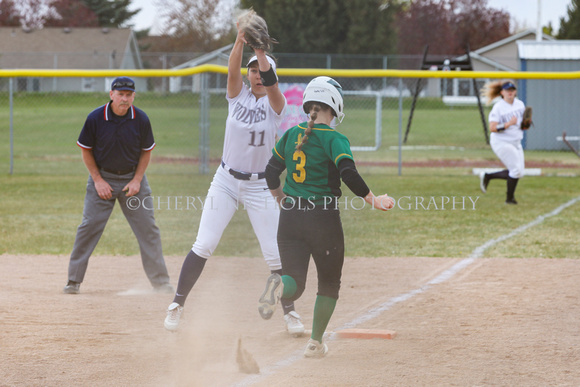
<point>254,116</point>
<point>506,137</point>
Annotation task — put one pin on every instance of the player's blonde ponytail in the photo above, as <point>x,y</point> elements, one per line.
<point>492,90</point>
<point>314,109</point>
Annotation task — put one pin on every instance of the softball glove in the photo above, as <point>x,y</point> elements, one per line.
<point>256,31</point>
<point>527,119</point>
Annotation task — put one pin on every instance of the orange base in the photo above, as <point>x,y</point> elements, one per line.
<point>357,333</point>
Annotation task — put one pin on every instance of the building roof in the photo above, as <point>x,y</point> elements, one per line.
<point>219,56</point>
<point>502,55</point>
<point>554,50</point>
<point>68,48</point>
<point>512,38</point>
<point>490,62</point>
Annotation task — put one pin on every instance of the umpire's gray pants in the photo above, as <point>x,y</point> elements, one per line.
<point>96,213</point>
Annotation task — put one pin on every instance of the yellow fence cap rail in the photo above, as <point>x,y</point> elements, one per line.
<point>208,68</point>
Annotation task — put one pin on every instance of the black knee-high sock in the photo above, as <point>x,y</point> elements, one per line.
<point>498,175</point>
<point>511,187</point>
<point>190,272</point>
<point>287,305</point>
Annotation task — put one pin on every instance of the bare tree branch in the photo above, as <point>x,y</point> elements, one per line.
<point>34,13</point>
<point>198,25</point>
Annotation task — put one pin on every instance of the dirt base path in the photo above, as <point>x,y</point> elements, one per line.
<point>497,322</point>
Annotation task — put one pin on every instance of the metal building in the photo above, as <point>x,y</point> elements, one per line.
<point>556,103</point>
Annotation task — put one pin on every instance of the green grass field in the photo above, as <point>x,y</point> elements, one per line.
<point>41,202</point>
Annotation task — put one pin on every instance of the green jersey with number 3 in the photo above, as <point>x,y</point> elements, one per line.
<point>312,172</point>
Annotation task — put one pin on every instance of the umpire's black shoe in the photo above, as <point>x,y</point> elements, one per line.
<point>511,201</point>
<point>72,287</point>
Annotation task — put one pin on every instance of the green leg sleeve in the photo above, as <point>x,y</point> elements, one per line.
<point>289,286</point>
<point>323,309</point>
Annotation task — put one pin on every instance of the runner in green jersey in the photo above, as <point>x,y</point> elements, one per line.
<point>312,171</point>
<point>316,158</point>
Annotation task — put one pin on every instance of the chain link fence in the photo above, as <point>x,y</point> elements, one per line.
<point>389,120</point>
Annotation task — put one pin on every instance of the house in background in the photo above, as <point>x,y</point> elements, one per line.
<point>499,56</point>
<point>69,48</point>
<point>193,83</point>
<point>503,54</point>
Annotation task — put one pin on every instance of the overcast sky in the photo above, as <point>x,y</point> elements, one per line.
<point>525,12</point>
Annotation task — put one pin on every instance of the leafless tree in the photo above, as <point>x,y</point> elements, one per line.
<point>34,13</point>
<point>449,26</point>
<point>72,13</point>
<point>9,16</point>
<point>195,25</point>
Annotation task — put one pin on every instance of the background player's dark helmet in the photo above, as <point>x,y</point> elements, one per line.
<point>327,91</point>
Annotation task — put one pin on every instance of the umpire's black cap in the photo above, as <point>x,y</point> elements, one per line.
<point>123,83</point>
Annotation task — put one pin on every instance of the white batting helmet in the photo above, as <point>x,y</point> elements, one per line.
<point>327,91</point>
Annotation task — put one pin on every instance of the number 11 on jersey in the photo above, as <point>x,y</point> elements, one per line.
<point>253,138</point>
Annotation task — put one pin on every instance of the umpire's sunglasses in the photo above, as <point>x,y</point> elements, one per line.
<point>118,85</point>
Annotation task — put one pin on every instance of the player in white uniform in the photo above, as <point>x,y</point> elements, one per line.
<point>254,116</point>
<point>506,136</point>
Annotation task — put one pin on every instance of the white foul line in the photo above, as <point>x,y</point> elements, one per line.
<point>444,276</point>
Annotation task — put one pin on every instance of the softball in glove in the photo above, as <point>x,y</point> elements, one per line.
<point>255,31</point>
<point>527,119</point>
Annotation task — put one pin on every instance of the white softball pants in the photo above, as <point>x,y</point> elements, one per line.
<point>225,196</point>
<point>511,155</point>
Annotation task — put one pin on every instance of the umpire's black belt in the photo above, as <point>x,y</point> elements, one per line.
<point>243,175</point>
<point>121,171</point>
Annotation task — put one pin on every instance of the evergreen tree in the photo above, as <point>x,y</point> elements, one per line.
<point>329,26</point>
<point>111,13</point>
<point>570,29</point>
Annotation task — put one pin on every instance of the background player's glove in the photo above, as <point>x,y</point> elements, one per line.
<point>527,119</point>
<point>255,31</point>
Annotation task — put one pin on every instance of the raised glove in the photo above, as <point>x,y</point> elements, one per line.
<point>527,119</point>
<point>255,31</point>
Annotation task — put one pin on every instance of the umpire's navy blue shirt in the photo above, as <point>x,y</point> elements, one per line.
<point>117,142</point>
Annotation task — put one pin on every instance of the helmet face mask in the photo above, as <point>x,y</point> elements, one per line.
<point>327,91</point>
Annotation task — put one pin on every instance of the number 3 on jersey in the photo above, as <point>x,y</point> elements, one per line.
<point>300,158</point>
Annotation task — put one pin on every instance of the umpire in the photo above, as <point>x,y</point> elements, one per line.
<point>116,143</point>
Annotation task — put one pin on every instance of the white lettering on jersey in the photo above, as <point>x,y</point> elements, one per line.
<point>250,134</point>
<point>501,113</point>
<point>247,116</point>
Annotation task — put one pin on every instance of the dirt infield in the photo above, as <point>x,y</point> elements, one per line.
<point>497,322</point>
